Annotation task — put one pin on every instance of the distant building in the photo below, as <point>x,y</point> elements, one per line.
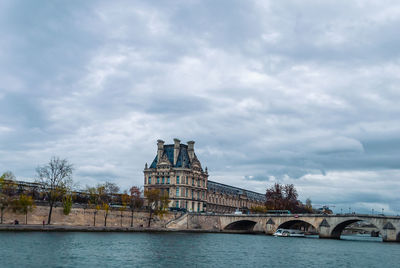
<point>224,198</point>
<point>177,171</point>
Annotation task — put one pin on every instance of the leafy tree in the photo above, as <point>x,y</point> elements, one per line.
<point>124,203</point>
<point>55,179</point>
<point>258,209</point>
<point>164,201</point>
<point>96,195</point>
<point>67,204</point>
<point>135,200</point>
<point>153,197</point>
<point>275,197</point>
<point>24,204</point>
<point>308,205</point>
<point>282,197</point>
<point>8,189</point>
<point>106,208</point>
<point>100,198</point>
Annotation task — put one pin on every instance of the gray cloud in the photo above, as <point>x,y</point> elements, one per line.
<point>304,93</point>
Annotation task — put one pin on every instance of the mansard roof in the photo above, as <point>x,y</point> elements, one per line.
<point>232,190</point>
<point>183,160</point>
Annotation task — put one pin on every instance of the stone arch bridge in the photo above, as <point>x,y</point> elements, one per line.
<point>327,226</point>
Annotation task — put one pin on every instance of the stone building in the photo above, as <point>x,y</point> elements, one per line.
<point>224,198</point>
<point>177,171</point>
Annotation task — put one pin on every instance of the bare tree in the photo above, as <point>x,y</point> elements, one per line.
<point>55,179</point>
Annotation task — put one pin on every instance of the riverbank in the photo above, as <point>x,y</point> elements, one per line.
<point>68,228</point>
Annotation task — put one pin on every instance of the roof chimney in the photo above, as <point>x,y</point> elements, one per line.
<point>191,149</point>
<point>160,149</point>
<point>177,144</point>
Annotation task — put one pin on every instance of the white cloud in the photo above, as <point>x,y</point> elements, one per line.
<point>270,91</point>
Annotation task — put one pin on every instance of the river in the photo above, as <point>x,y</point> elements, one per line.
<point>76,249</point>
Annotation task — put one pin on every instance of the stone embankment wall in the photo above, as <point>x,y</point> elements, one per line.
<point>85,217</point>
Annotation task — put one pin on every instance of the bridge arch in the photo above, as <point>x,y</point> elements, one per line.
<point>338,229</point>
<point>297,224</point>
<point>242,225</point>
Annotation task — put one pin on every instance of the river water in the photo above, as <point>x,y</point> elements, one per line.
<point>69,249</point>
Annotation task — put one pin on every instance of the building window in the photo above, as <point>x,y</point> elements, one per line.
<point>203,195</point>
<point>192,194</point>
<point>177,191</point>
<point>187,192</point>
<point>149,180</point>
<point>167,180</point>
<point>193,181</point>
<point>177,204</point>
<point>163,180</point>
<point>198,207</point>
<point>177,179</point>
<point>192,206</point>
<point>158,180</point>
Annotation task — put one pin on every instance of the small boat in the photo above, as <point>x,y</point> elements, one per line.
<point>289,232</point>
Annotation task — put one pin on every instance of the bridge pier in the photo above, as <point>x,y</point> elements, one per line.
<point>327,226</point>
<point>389,235</point>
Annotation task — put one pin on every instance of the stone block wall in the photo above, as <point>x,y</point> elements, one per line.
<point>85,217</point>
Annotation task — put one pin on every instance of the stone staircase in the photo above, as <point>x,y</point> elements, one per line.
<point>178,223</point>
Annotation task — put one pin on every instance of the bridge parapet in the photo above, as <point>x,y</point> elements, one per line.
<point>328,226</point>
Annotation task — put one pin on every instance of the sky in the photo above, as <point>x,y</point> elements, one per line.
<point>303,92</point>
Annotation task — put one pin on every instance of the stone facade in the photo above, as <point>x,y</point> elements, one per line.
<point>224,198</point>
<point>177,171</point>
<point>88,217</point>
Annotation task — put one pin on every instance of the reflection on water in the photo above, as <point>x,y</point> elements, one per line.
<point>32,249</point>
<point>361,237</point>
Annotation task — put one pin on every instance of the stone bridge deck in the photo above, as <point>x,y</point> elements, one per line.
<point>327,226</point>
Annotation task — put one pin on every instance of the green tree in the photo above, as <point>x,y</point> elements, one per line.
<point>67,204</point>
<point>135,200</point>
<point>55,179</point>
<point>24,204</point>
<point>8,189</point>
<point>164,202</point>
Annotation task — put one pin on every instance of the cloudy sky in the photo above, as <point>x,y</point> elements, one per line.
<point>303,92</point>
